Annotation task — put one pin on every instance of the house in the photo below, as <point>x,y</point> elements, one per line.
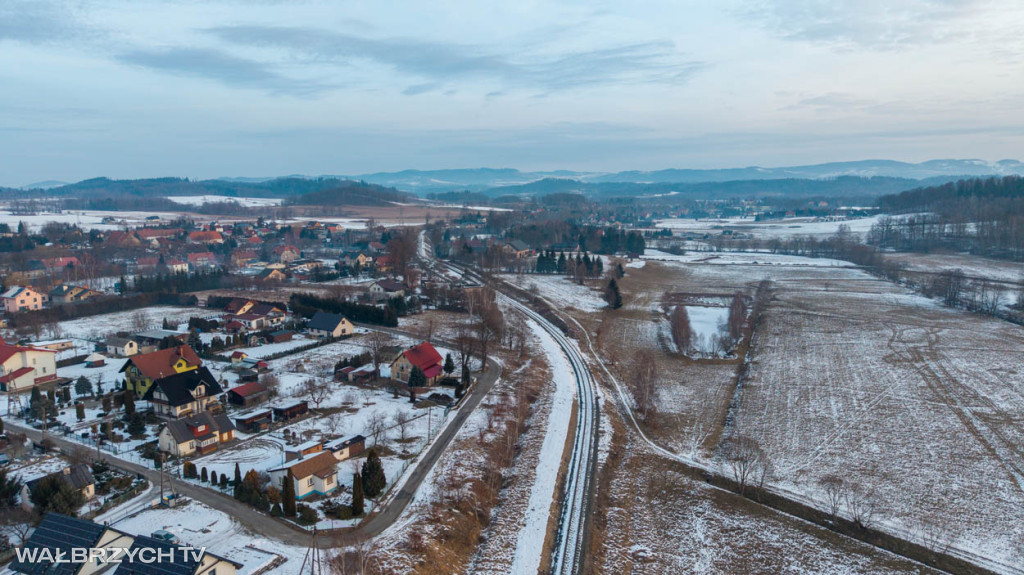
<point>249,321</point>
<point>95,360</point>
<point>54,344</point>
<point>122,346</point>
<point>185,393</point>
<point>25,367</point>
<point>305,265</point>
<point>346,448</point>
<point>423,356</point>
<point>19,298</point>
<point>385,289</point>
<point>314,474</point>
<point>303,449</point>
<point>356,374</point>
<point>140,371</point>
<point>280,336</point>
<point>65,294</point>
<point>238,356</point>
<point>78,477</point>
<point>59,534</point>
<point>205,237</point>
<point>518,249</point>
<point>156,336</point>
<point>200,433</point>
<point>254,422</point>
<point>271,275</point>
<point>325,324</point>
<point>153,265</point>
<point>248,394</point>
<point>150,234</point>
<point>287,254</point>
<point>51,545</point>
<point>356,259</point>
<point>290,410</point>
<point>383,264</point>
<point>202,259</point>
<point>238,305</point>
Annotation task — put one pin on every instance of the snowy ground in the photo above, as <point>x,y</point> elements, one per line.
<point>743,258</point>
<point>707,324</point>
<point>972,266</point>
<point>212,199</point>
<point>201,526</point>
<point>562,292</point>
<point>771,228</point>
<point>86,219</point>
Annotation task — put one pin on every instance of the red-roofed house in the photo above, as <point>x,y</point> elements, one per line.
<point>24,367</point>
<point>140,371</point>
<point>202,259</point>
<point>206,238</point>
<point>247,394</point>
<point>286,254</point>
<point>149,234</point>
<point>423,356</point>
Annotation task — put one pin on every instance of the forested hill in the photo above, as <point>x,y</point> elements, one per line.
<point>961,197</point>
<point>351,193</point>
<point>157,187</point>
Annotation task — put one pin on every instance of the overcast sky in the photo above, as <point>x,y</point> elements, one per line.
<point>214,88</point>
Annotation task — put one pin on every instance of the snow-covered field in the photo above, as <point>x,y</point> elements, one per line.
<point>561,292</point>
<point>770,228</point>
<point>86,219</point>
<point>743,258</point>
<point>706,324</point>
<point>212,199</point>
<point>972,266</point>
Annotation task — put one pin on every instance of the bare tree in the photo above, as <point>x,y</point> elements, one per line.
<point>315,391</point>
<point>271,382</point>
<point>376,425</point>
<point>644,372</point>
<point>861,506</point>
<point>682,333</point>
<point>835,492</point>
<point>138,321</point>
<point>378,343</point>
<point>737,317</point>
<point>748,462</point>
<point>464,341</point>
<point>402,419</point>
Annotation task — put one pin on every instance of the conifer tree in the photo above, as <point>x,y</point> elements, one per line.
<point>128,400</point>
<point>238,475</point>
<point>358,502</point>
<point>374,481</point>
<point>449,364</point>
<point>288,496</point>
<point>612,294</point>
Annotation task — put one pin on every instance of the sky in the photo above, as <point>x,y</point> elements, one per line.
<point>215,88</point>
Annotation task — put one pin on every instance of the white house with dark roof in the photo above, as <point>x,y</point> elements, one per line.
<point>201,433</point>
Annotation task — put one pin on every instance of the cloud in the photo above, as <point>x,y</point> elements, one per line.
<point>870,24</point>
<point>438,63</point>
<point>36,22</point>
<point>221,66</point>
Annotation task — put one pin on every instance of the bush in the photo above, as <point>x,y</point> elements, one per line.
<point>307,515</point>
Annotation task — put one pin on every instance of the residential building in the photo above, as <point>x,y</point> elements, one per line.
<point>183,394</point>
<point>140,371</point>
<point>272,275</point>
<point>122,346</point>
<point>66,294</point>
<point>325,324</point>
<point>19,298</point>
<point>78,477</point>
<point>254,421</point>
<point>423,356</point>
<point>287,254</point>
<point>313,474</point>
<point>385,289</point>
<point>25,367</point>
<point>134,561</point>
<point>205,237</point>
<point>200,433</point>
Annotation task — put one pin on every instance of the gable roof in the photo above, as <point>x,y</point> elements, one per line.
<point>321,465</point>
<point>160,363</point>
<point>181,429</point>
<point>390,285</point>
<point>7,351</point>
<point>248,389</point>
<point>179,387</point>
<point>423,356</point>
<point>58,532</point>
<point>325,321</point>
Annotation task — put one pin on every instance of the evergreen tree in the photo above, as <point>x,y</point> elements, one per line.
<point>136,424</point>
<point>449,364</point>
<point>1,426</point>
<point>213,478</point>
<point>10,488</point>
<point>276,510</point>
<point>288,495</point>
<point>129,403</point>
<point>52,493</point>
<point>80,411</point>
<point>374,481</point>
<point>417,377</point>
<point>204,476</point>
<point>612,294</point>
<point>358,503</point>
<point>238,475</point>
<point>223,480</point>
<point>83,386</point>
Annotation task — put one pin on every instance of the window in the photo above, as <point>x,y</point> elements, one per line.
<point>329,481</point>
<point>309,482</point>
<point>191,444</point>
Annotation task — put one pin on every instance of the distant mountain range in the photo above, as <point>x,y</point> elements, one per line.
<point>865,179</point>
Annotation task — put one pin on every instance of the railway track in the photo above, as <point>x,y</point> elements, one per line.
<point>569,553</point>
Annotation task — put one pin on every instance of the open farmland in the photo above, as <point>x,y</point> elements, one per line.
<point>921,406</point>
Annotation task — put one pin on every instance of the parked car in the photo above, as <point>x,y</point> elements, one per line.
<point>4,459</point>
<point>165,535</point>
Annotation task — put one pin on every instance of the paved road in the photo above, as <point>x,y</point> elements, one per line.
<point>279,530</point>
